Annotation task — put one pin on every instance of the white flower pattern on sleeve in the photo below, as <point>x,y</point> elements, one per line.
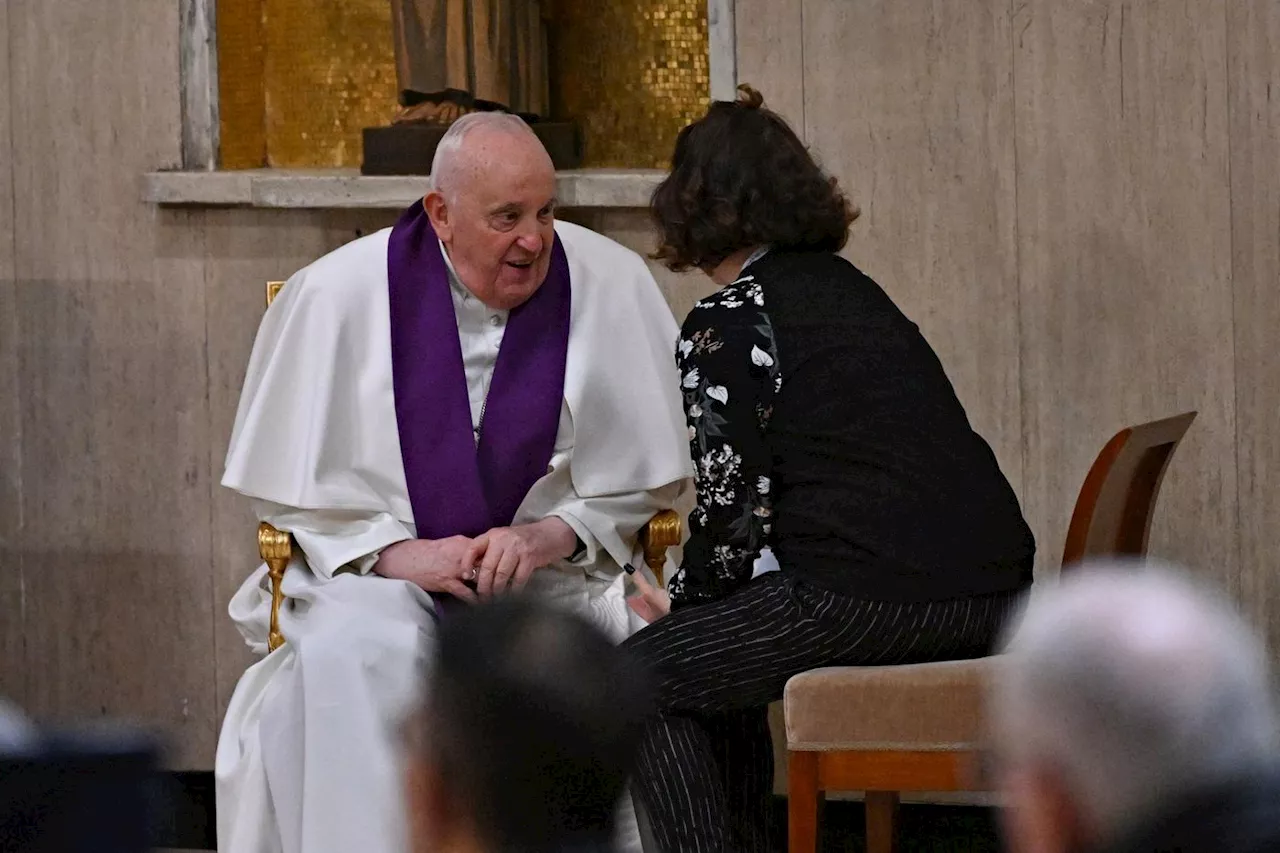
<point>729,368</point>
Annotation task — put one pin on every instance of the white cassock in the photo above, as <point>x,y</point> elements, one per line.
<point>309,759</point>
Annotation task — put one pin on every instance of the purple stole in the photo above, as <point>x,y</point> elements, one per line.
<point>457,488</point>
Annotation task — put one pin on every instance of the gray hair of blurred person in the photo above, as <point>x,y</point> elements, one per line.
<point>16,733</point>
<point>445,162</point>
<point>1134,685</point>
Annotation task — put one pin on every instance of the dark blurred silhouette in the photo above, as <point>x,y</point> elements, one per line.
<point>91,790</point>
<point>527,735</point>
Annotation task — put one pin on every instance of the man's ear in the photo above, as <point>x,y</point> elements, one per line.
<point>1039,814</point>
<point>1075,826</point>
<point>433,819</point>
<point>437,210</point>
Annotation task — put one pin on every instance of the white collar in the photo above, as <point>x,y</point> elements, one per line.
<point>454,281</point>
<point>759,253</point>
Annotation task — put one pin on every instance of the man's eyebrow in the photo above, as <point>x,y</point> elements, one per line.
<point>514,207</point>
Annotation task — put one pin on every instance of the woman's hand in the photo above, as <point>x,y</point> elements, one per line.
<point>651,603</point>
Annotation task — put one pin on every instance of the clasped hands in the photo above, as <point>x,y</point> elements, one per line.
<point>497,561</point>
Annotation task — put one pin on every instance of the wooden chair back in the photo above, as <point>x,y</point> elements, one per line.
<point>1118,497</point>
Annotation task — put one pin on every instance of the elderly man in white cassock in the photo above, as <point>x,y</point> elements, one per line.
<point>476,400</point>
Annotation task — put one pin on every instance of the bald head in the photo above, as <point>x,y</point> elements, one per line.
<point>492,203</point>
<point>1133,685</point>
<point>477,144</point>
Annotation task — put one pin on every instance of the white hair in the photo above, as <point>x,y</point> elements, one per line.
<point>16,734</point>
<point>444,165</point>
<point>1134,684</point>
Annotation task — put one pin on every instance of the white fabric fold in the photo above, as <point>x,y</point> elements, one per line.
<point>316,426</point>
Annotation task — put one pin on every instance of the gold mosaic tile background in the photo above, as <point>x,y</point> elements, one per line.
<point>330,72</point>
<point>300,79</point>
<point>631,73</point>
<point>241,96</point>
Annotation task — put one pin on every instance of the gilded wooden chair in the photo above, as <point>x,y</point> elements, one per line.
<point>663,531</point>
<point>884,730</point>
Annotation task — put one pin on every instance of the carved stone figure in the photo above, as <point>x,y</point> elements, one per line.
<point>457,56</point>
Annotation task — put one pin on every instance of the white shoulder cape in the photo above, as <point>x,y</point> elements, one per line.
<point>316,426</point>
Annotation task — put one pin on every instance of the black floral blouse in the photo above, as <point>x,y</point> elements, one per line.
<point>728,360</point>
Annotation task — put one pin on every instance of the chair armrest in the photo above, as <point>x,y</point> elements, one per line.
<point>662,532</point>
<point>276,549</point>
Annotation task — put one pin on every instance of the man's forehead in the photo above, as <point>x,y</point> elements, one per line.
<point>494,162</point>
<point>512,201</point>
<point>522,188</point>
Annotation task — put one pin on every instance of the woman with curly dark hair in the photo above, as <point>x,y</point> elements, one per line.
<point>827,443</point>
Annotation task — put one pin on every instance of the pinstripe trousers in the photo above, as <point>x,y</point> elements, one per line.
<point>705,768</point>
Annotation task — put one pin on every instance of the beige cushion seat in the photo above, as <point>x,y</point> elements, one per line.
<point>933,707</point>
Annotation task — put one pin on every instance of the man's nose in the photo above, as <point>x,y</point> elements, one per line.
<point>530,241</point>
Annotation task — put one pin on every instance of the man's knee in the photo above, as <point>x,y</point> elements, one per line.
<point>379,657</point>
<point>362,642</point>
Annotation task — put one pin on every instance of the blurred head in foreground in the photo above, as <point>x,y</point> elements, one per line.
<point>527,735</point>
<point>92,787</point>
<point>1127,692</point>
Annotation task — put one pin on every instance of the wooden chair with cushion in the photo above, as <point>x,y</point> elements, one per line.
<point>276,547</point>
<point>884,730</point>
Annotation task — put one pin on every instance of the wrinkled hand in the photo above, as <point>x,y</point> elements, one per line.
<point>505,557</point>
<point>436,565</point>
<point>650,603</point>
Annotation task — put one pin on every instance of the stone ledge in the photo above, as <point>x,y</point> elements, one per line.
<point>347,188</point>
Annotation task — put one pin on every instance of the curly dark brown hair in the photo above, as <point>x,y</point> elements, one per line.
<point>740,177</point>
